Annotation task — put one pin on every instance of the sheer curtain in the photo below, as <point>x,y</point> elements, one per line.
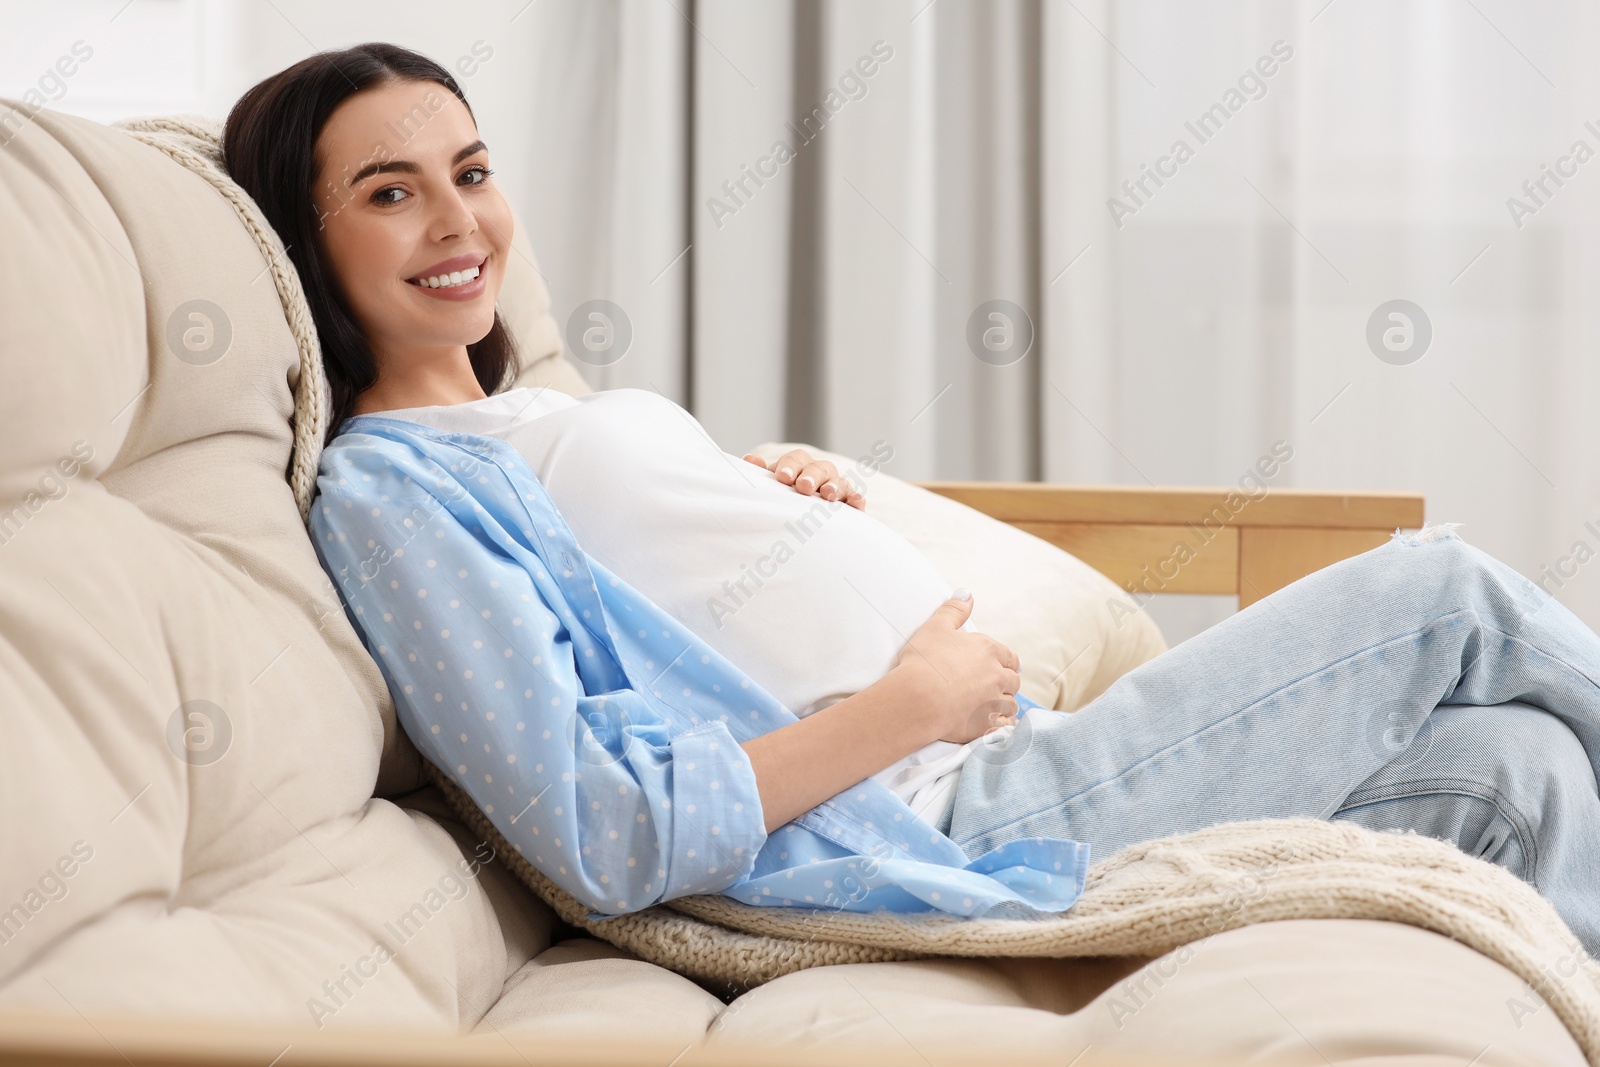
<point>1340,156</point>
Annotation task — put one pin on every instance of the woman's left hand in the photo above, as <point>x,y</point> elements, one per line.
<point>809,476</point>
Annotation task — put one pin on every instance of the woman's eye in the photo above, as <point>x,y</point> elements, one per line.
<point>382,198</point>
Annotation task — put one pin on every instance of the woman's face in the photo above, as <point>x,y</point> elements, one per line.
<point>402,193</point>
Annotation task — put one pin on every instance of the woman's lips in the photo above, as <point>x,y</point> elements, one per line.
<point>466,291</point>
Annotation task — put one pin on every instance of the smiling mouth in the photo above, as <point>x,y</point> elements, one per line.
<point>449,280</point>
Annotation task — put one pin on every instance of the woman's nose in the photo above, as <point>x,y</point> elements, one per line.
<point>455,218</point>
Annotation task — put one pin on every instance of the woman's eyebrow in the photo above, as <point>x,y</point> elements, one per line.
<point>408,167</point>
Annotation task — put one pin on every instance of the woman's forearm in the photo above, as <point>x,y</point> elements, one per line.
<point>800,765</point>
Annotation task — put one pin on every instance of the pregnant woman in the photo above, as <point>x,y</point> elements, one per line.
<point>562,595</point>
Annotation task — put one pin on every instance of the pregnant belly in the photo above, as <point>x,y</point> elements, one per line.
<point>813,599</point>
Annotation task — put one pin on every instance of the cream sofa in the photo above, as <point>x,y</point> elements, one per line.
<point>164,902</point>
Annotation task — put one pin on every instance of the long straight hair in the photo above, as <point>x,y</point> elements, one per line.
<point>268,146</point>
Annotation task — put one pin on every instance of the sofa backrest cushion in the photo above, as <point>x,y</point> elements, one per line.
<point>195,733</point>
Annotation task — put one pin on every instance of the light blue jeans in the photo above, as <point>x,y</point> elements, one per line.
<point>1423,684</point>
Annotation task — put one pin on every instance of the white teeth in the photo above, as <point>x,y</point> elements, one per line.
<point>445,281</point>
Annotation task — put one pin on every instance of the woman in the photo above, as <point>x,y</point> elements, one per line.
<point>1420,685</point>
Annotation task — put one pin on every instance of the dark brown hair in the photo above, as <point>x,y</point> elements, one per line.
<point>268,147</point>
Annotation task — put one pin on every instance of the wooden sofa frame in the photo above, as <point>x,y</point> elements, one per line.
<point>1230,543</point>
<point>1238,546</point>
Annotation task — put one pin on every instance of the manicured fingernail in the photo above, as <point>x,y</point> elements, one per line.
<point>961,594</point>
<point>805,480</point>
<point>785,471</point>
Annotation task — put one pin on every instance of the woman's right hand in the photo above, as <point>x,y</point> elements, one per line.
<point>965,683</point>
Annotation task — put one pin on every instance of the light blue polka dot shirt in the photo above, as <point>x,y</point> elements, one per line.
<point>598,734</point>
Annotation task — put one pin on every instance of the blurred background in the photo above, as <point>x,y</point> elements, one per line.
<point>1061,240</point>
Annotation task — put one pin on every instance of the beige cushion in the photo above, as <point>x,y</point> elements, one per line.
<point>524,304</point>
<point>1048,606</point>
<point>157,579</point>
<point>588,986</point>
<point>1302,992</point>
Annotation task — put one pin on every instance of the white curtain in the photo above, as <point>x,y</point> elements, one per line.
<point>1354,154</point>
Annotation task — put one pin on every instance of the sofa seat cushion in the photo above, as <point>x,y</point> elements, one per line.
<point>585,986</point>
<point>1312,991</point>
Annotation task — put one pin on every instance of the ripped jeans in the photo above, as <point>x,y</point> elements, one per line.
<point>1422,684</point>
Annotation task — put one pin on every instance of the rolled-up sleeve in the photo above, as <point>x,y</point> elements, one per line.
<point>714,792</point>
<point>479,651</point>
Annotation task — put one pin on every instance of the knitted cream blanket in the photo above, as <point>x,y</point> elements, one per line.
<point>1147,900</point>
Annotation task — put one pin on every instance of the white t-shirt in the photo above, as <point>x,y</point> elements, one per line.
<point>813,599</point>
